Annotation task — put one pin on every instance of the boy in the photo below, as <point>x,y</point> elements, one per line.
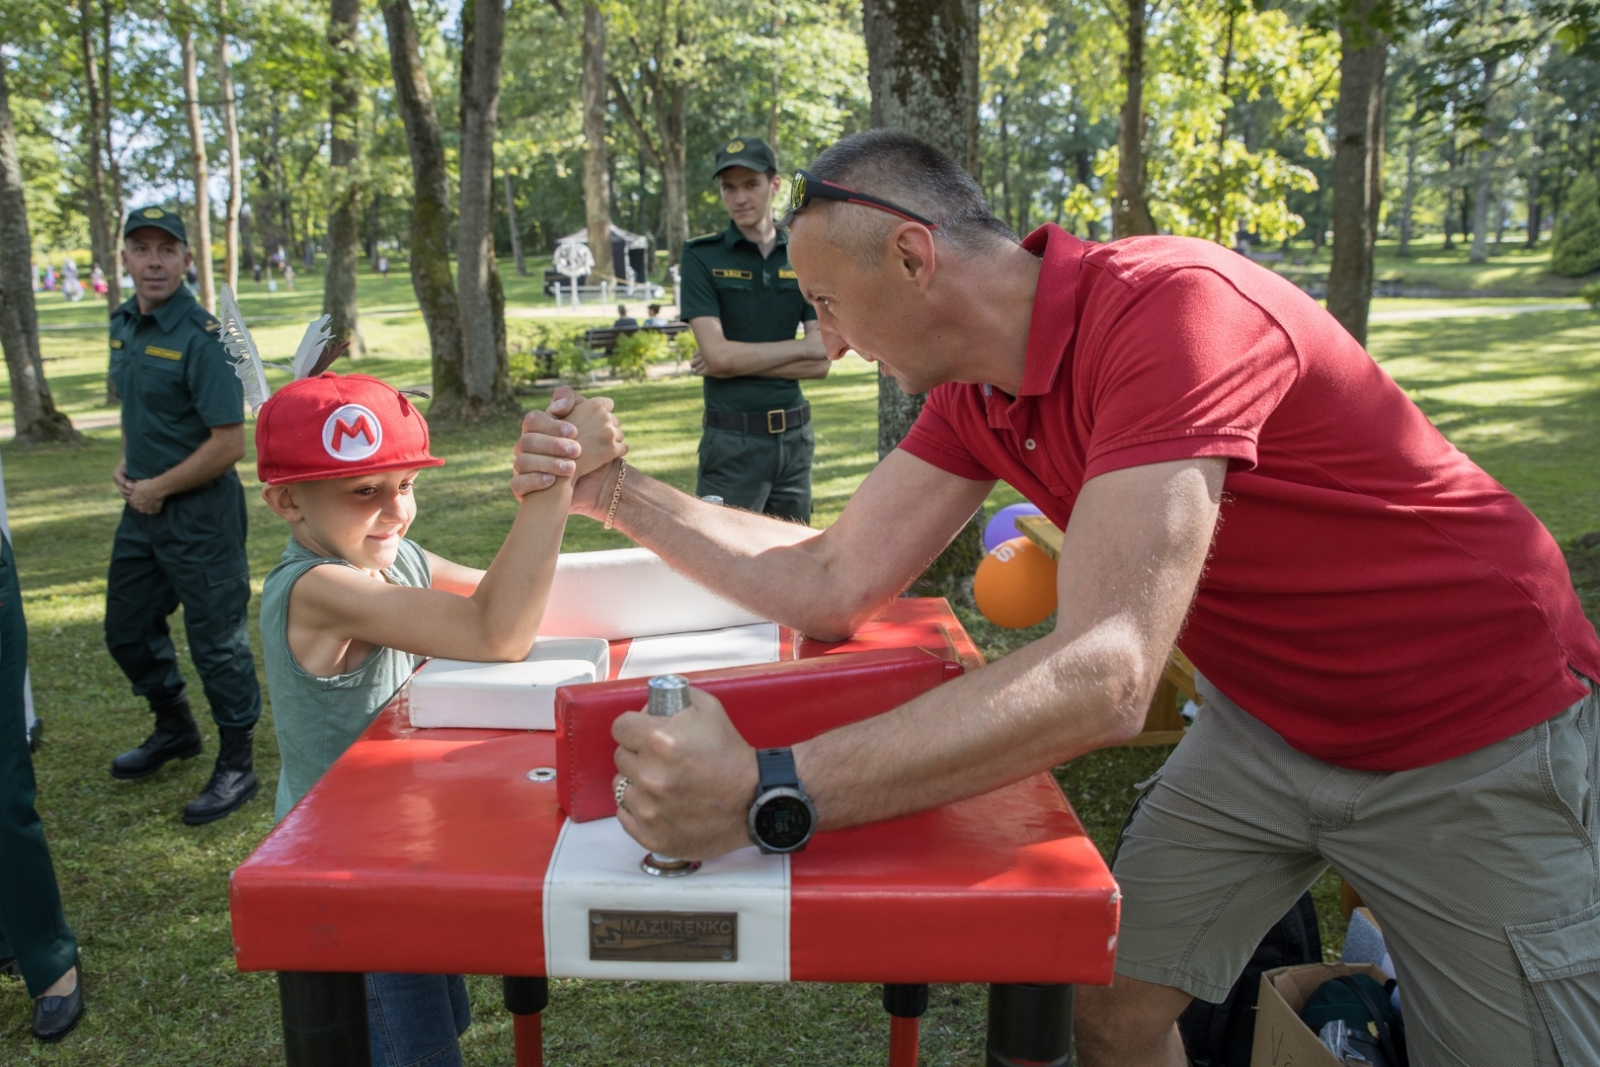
<point>353,607</point>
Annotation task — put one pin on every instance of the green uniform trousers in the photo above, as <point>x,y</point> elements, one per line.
<point>191,552</point>
<point>768,473</point>
<point>32,927</point>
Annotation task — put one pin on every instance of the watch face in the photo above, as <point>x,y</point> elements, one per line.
<point>783,822</point>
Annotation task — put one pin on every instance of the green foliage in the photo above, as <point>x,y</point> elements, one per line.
<point>631,358</point>
<point>1577,243</point>
<point>1591,293</point>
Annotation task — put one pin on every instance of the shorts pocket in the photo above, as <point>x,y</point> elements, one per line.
<point>1561,959</point>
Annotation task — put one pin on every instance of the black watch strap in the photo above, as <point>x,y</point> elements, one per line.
<point>776,767</point>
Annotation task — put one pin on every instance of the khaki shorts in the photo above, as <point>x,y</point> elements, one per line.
<point>1484,871</point>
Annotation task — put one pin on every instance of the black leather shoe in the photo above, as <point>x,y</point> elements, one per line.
<point>55,1017</point>
<point>232,782</point>
<point>175,737</point>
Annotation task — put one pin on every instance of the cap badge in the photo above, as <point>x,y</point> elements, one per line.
<point>153,213</point>
<point>352,434</point>
<point>734,146</point>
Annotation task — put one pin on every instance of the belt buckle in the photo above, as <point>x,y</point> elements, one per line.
<point>783,420</point>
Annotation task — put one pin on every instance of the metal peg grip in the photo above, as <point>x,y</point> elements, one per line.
<point>669,694</point>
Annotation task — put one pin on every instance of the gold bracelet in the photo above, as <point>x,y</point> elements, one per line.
<point>616,494</point>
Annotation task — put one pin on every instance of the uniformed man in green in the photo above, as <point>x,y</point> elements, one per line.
<point>743,302</point>
<point>182,535</point>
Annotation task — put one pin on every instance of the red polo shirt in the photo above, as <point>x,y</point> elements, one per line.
<point>1372,595</point>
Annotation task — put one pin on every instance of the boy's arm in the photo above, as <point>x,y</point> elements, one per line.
<point>451,577</point>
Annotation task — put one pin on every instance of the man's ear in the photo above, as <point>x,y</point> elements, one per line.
<point>912,253</point>
<point>280,498</point>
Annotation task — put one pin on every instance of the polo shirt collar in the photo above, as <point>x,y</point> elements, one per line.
<point>178,305</point>
<point>732,236</point>
<point>1054,320</point>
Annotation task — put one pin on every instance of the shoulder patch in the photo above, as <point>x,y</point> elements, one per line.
<point>206,320</point>
<point>788,272</point>
<point>162,353</point>
<point>702,237</point>
<point>116,342</point>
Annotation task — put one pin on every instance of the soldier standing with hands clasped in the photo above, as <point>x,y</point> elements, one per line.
<point>743,302</point>
<point>182,535</point>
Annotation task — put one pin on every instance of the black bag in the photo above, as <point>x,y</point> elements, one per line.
<point>1223,1035</point>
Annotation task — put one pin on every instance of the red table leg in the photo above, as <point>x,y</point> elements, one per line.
<point>905,1005</point>
<point>526,999</point>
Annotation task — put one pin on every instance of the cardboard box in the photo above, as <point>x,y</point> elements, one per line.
<point>1282,1040</point>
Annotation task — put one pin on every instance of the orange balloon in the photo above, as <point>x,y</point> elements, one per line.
<point>1015,586</point>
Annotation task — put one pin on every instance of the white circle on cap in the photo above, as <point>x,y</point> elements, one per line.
<point>352,434</point>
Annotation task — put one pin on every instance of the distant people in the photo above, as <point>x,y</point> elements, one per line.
<point>743,301</point>
<point>181,540</point>
<point>354,605</point>
<point>34,936</point>
<point>624,321</point>
<point>49,277</point>
<point>71,287</point>
<point>191,277</point>
<point>97,280</point>
<point>656,318</point>
<point>255,272</point>
<point>288,276</point>
<point>383,267</point>
<point>33,276</point>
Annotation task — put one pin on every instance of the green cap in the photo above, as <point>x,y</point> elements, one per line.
<point>749,152</point>
<point>160,218</point>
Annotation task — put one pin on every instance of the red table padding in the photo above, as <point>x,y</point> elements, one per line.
<point>771,705</point>
<point>427,850</point>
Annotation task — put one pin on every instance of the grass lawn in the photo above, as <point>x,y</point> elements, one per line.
<point>1516,269</point>
<point>1521,393</point>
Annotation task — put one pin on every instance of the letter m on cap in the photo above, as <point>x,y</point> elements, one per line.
<point>359,428</point>
<point>352,433</point>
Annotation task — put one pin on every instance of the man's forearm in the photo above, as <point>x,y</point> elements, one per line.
<point>737,359</point>
<point>1038,707</point>
<point>214,458</point>
<point>802,369</point>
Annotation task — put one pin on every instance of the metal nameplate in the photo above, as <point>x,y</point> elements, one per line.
<point>664,936</point>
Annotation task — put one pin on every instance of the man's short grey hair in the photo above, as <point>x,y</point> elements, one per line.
<point>904,170</point>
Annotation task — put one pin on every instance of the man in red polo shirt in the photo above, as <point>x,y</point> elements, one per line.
<point>1395,665</point>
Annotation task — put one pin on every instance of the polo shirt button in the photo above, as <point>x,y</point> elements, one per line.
<point>1029,444</point>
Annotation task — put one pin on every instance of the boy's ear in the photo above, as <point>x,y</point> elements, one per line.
<point>280,498</point>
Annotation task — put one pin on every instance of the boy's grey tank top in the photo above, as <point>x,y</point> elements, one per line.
<point>316,719</point>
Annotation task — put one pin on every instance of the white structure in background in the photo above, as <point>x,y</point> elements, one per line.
<point>630,256</point>
<point>575,261</point>
<point>27,683</point>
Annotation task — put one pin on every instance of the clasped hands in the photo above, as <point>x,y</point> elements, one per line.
<point>140,493</point>
<point>691,777</point>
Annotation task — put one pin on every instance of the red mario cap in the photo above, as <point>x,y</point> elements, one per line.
<point>338,426</point>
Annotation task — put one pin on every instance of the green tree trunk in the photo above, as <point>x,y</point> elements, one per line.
<point>596,171</point>
<point>1130,214</point>
<point>1357,168</point>
<point>431,277</point>
<point>344,114</point>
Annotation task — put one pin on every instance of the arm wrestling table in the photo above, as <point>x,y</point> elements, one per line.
<point>462,828</point>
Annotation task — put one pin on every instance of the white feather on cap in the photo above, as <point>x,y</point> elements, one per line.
<point>238,343</point>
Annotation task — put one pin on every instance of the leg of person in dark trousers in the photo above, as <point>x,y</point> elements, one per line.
<point>790,497</point>
<point>32,925</point>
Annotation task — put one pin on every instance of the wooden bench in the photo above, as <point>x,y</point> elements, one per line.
<point>1164,724</point>
<point>603,341</point>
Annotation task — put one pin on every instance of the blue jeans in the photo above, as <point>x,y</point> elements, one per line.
<point>414,1020</point>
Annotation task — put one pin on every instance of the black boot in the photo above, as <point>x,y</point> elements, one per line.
<point>175,737</point>
<point>232,782</point>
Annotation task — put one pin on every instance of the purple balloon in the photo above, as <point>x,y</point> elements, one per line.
<point>1003,527</point>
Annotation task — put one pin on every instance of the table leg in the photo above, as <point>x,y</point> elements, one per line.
<point>526,999</point>
<point>905,1005</point>
<point>324,1018</point>
<point>1030,1026</point>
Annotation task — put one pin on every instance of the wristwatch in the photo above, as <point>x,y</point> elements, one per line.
<point>782,817</point>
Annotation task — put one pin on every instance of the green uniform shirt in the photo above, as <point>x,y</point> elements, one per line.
<point>757,299</point>
<point>316,719</point>
<point>175,380</point>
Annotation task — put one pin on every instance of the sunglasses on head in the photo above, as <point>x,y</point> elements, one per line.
<point>807,187</point>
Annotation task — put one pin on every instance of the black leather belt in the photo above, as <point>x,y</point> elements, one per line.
<point>775,421</point>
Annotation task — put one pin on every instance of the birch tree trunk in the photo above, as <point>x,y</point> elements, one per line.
<point>1357,168</point>
<point>102,227</point>
<point>1408,198</point>
<point>1483,192</point>
<point>431,277</point>
<point>230,126</point>
<point>484,370</point>
<point>1130,213</point>
<point>201,245</point>
<point>344,223</point>
<point>922,68</point>
<point>596,170</point>
<point>33,409</point>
